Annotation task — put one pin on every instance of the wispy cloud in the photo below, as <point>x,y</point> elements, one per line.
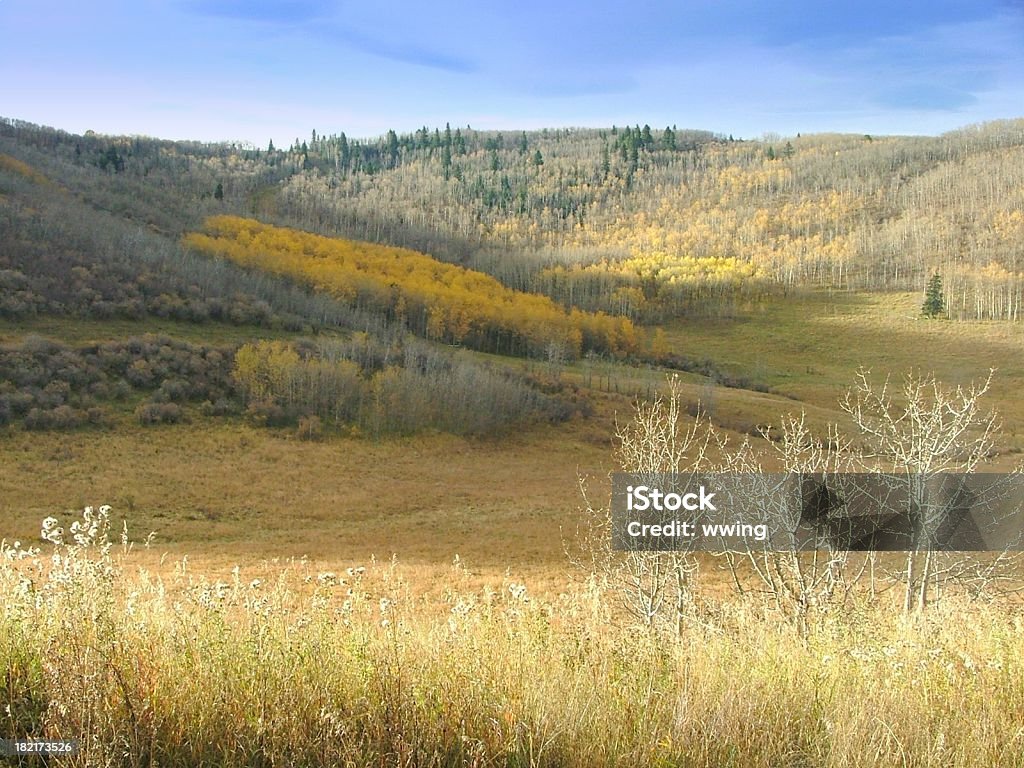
<point>938,68</point>
<point>406,52</point>
<point>261,11</point>
<point>326,23</point>
<point>925,96</point>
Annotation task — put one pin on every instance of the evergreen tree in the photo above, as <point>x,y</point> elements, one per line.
<point>446,160</point>
<point>345,154</point>
<point>668,139</point>
<point>112,159</point>
<point>934,298</point>
<point>646,138</point>
<point>391,148</point>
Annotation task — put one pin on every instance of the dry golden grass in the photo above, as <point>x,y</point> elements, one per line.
<point>232,492</point>
<point>295,666</point>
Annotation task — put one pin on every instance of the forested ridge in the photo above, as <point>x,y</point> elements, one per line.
<point>648,223</point>
<point>546,244</point>
<point>660,223</point>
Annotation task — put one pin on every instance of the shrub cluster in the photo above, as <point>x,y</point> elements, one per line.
<point>382,385</point>
<point>387,387</point>
<point>51,386</point>
<point>159,413</point>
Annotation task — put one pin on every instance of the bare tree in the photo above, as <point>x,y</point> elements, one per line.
<point>655,587</point>
<point>798,577</point>
<point>921,431</point>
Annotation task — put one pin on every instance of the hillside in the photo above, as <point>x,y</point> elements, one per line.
<point>551,245</point>
<point>431,298</point>
<point>91,239</point>
<point>632,221</point>
<point>659,223</point>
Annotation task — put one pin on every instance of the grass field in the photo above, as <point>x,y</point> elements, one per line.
<point>809,347</point>
<point>229,489</point>
<point>225,490</point>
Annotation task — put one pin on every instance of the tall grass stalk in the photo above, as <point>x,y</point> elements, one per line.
<point>349,669</point>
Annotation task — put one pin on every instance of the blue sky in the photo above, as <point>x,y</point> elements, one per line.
<point>253,70</point>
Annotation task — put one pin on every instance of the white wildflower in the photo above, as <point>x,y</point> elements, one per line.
<point>52,531</point>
